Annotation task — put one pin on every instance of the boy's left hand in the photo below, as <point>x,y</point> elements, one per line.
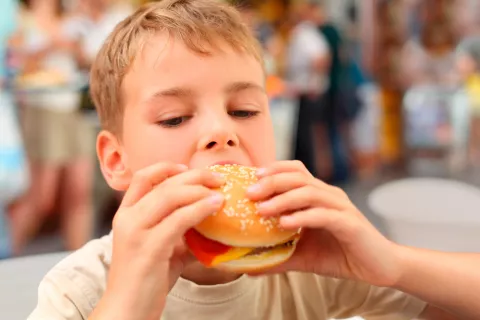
<point>337,241</point>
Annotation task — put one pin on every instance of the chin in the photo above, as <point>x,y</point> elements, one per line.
<point>236,238</point>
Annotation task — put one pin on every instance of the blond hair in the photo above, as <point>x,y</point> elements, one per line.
<point>202,25</point>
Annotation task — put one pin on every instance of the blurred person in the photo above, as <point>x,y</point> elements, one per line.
<point>308,61</point>
<point>338,101</point>
<point>468,65</point>
<point>96,20</point>
<point>428,59</point>
<point>262,29</point>
<point>271,43</point>
<point>427,69</point>
<point>58,141</point>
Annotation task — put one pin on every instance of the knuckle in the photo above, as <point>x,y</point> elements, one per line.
<point>269,182</point>
<point>339,191</point>
<point>310,191</point>
<point>298,164</point>
<point>299,178</point>
<point>200,175</point>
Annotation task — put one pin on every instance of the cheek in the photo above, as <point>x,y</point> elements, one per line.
<point>151,144</point>
<point>259,140</point>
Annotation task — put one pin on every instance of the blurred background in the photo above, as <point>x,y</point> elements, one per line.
<point>364,92</point>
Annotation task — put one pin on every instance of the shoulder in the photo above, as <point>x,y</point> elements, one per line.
<point>76,284</point>
<point>87,267</point>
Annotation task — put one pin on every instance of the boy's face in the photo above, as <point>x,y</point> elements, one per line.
<point>185,108</point>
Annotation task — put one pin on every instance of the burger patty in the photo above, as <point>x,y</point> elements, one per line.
<point>261,250</point>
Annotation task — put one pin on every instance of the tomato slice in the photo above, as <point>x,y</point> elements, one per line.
<point>205,250</point>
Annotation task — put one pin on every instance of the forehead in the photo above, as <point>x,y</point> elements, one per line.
<point>165,60</point>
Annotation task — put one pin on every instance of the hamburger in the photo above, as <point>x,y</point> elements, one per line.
<point>236,238</point>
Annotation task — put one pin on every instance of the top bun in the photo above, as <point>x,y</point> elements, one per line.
<point>237,223</point>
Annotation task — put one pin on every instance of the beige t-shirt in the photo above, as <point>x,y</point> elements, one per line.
<point>72,289</point>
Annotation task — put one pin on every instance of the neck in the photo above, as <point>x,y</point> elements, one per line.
<point>207,277</point>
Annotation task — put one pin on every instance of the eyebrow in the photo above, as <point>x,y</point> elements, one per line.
<point>175,92</point>
<point>243,85</point>
<point>180,92</point>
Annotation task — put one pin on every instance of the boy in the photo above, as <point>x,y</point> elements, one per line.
<point>179,86</point>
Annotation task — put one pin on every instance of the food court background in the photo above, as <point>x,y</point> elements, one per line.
<point>400,96</point>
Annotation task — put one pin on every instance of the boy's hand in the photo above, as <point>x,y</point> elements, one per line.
<point>161,204</point>
<point>337,241</point>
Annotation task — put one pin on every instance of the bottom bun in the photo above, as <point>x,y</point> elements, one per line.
<point>258,263</point>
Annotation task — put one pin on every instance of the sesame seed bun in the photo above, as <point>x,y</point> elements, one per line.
<point>238,224</point>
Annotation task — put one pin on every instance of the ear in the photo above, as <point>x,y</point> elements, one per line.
<point>113,161</point>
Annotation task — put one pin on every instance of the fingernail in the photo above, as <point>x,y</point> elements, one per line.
<point>216,198</point>
<point>253,188</point>
<point>183,167</point>
<point>261,171</point>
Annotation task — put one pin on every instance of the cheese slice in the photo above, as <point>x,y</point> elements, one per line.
<point>237,253</point>
<point>232,254</point>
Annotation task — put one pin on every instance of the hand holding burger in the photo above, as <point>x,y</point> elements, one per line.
<point>337,240</point>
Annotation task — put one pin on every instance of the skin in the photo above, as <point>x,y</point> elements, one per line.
<point>221,113</point>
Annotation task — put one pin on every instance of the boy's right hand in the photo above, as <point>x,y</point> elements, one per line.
<point>161,204</point>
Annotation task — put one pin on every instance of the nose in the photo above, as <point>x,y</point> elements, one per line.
<point>218,135</point>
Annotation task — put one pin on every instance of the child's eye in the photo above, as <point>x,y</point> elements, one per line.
<point>174,122</point>
<point>243,113</point>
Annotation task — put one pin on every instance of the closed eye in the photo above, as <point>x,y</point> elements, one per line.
<point>243,114</point>
<point>174,122</point>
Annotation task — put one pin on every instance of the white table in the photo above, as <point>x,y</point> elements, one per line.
<point>19,280</point>
<point>439,214</point>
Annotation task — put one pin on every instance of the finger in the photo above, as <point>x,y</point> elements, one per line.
<point>300,199</point>
<point>203,177</point>
<point>276,184</point>
<point>161,202</point>
<point>283,166</point>
<point>316,218</point>
<point>146,179</point>
<point>175,225</point>
<point>296,166</point>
